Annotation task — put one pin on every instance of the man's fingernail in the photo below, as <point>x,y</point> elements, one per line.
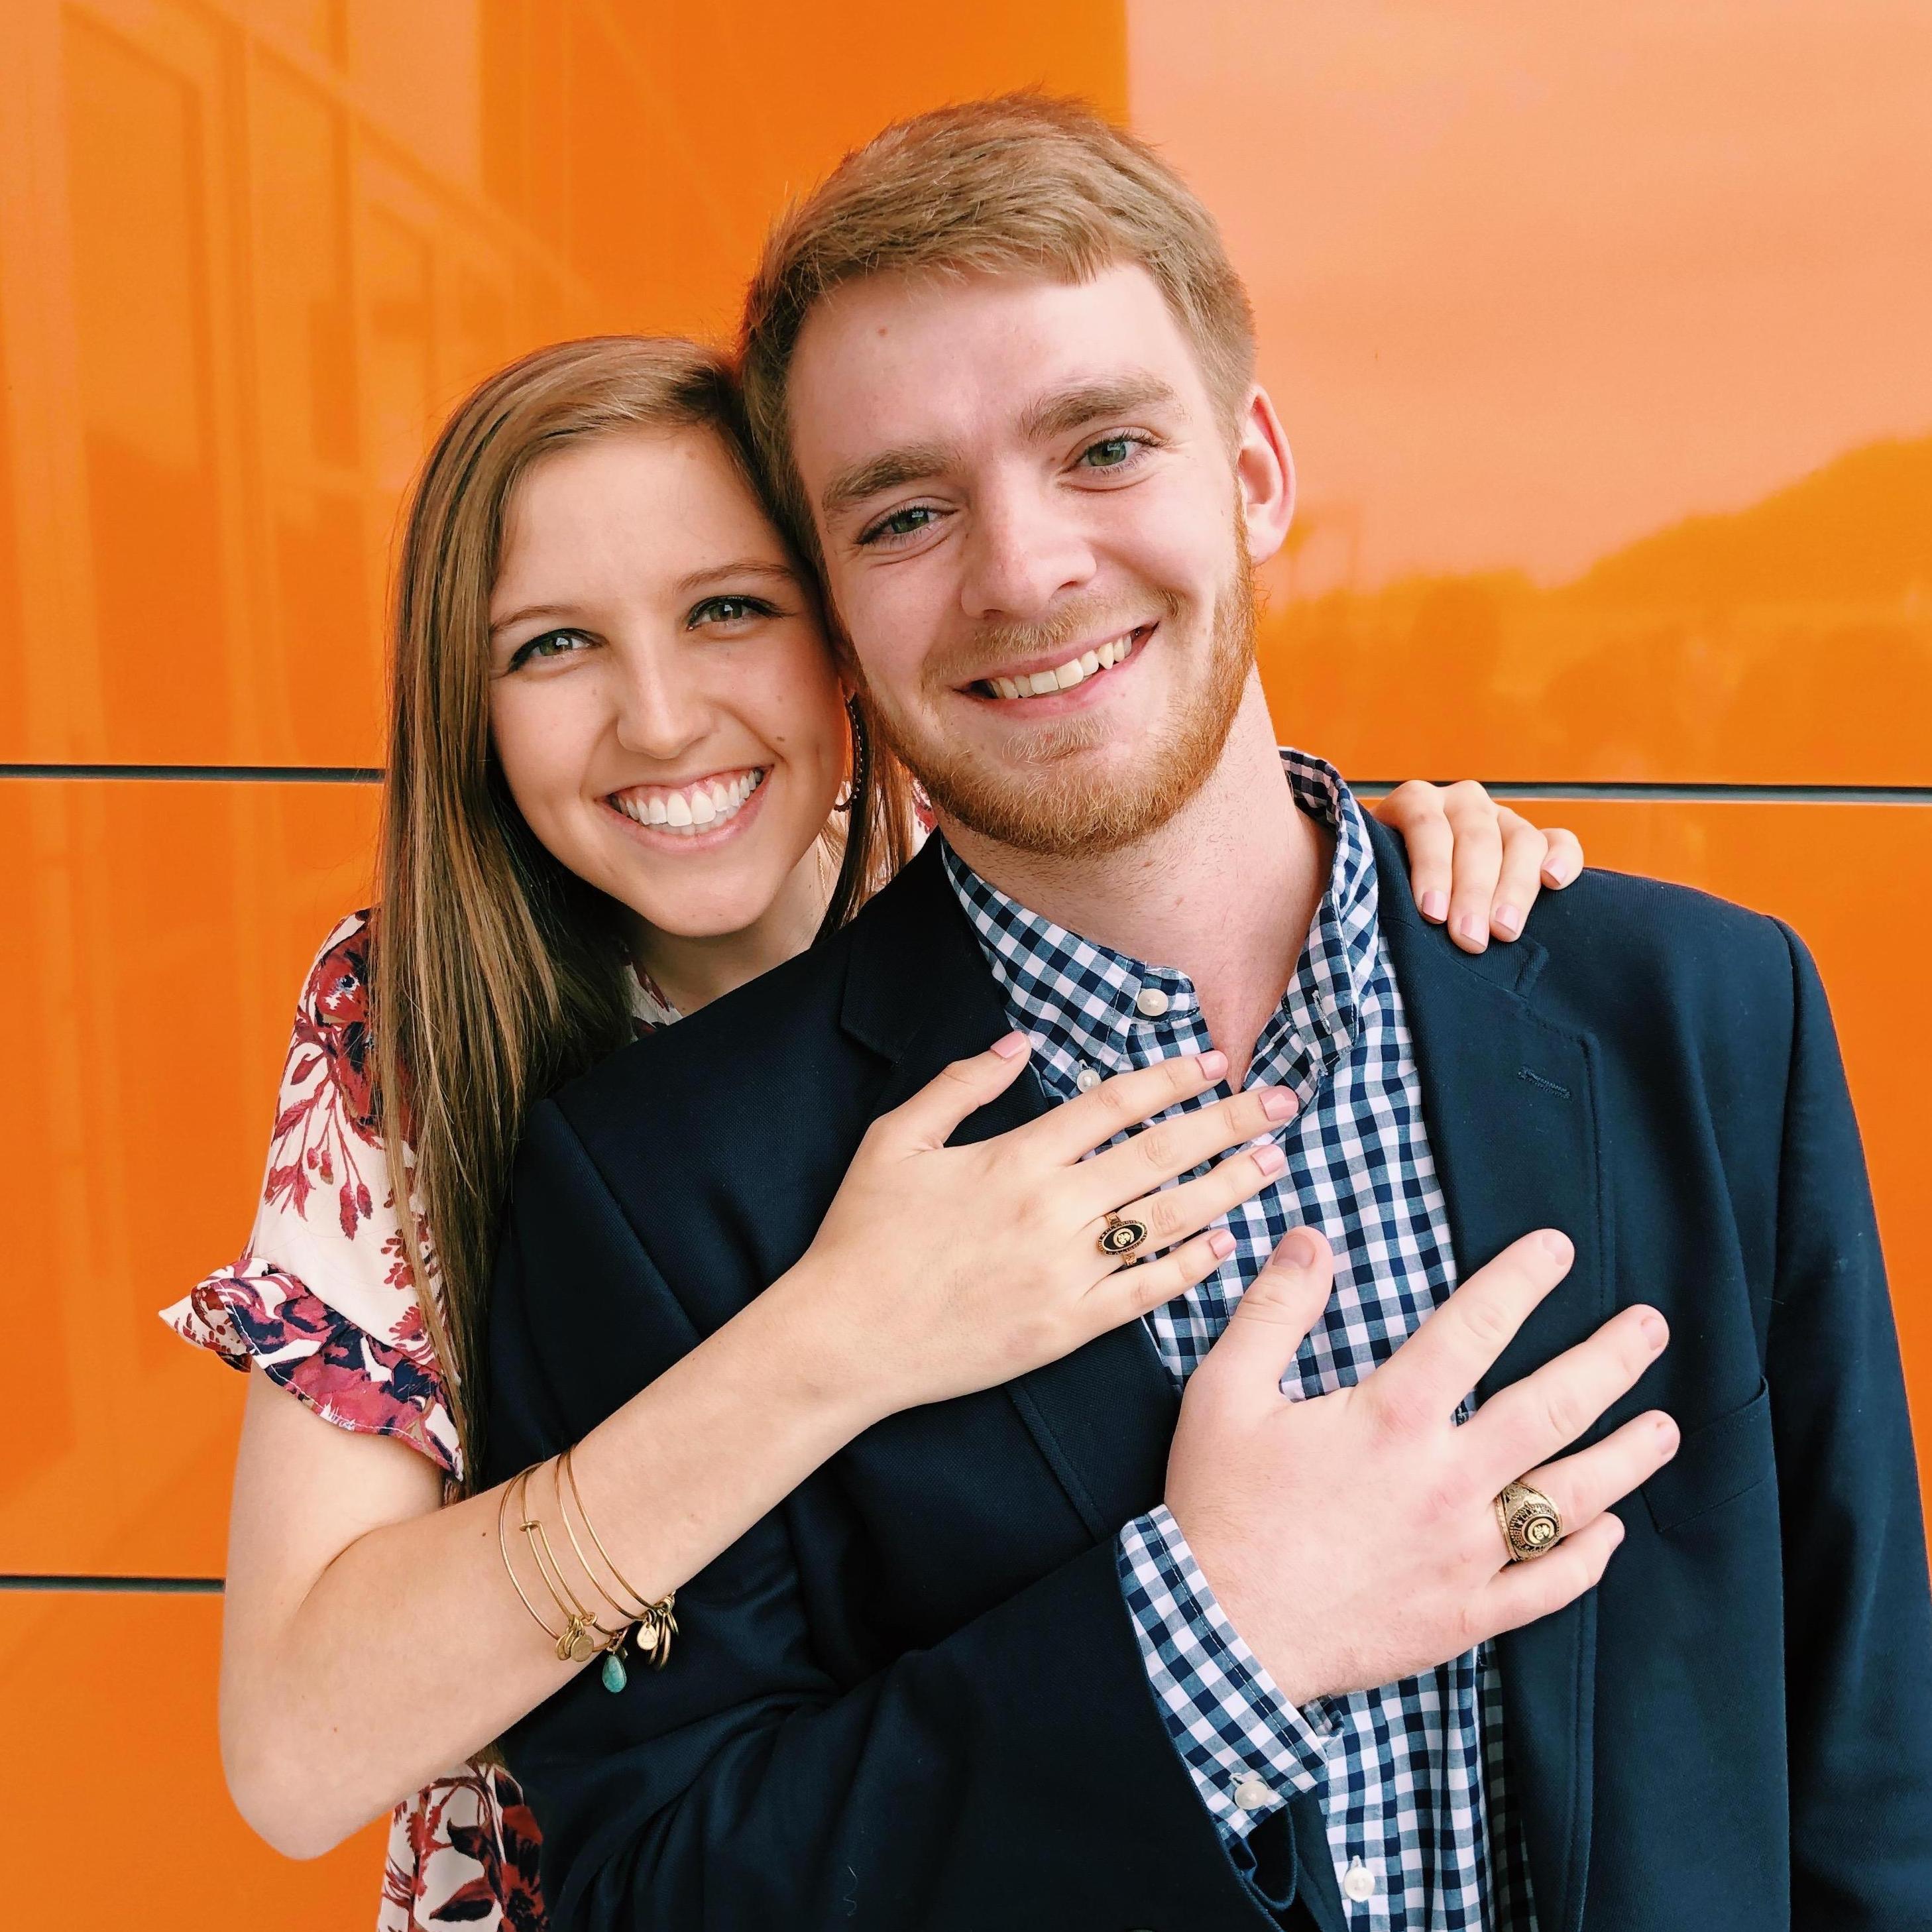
<point>1470,927</point>
<point>1509,919</point>
<point>1616,1528</point>
<point>1213,1065</point>
<point>1297,1248</point>
<point>1279,1104</point>
<point>1435,906</point>
<point>1656,1330</point>
<point>1012,1046</point>
<point>1667,1437</point>
<point>1270,1159</point>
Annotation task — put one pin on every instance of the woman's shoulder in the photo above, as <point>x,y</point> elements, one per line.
<point>324,1295</point>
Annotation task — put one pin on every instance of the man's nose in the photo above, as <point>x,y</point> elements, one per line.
<point>1023,551</point>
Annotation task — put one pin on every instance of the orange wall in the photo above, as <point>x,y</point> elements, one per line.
<point>1600,344</point>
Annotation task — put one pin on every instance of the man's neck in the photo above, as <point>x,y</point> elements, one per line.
<point>1225,892</point>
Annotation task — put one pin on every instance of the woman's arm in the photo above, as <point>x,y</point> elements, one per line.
<point>372,1639</point>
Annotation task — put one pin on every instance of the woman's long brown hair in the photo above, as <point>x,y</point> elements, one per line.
<point>498,974</point>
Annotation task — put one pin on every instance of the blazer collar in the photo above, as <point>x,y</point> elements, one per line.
<point>1510,1101</point>
<point>918,993</point>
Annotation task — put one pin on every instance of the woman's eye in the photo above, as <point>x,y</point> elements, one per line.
<point>550,644</point>
<point>1111,452</point>
<point>727,610</point>
<point>906,523</point>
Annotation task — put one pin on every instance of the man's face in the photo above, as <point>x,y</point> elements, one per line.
<point>1032,513</point>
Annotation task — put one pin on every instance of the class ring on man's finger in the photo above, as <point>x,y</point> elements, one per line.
<point>1121,1236</point>
<point>1532,1524</point>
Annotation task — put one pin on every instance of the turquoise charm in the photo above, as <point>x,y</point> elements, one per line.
<point>614,1674</point>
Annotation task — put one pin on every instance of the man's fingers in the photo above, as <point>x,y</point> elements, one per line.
<point>1585,1485</point>
<point>1525,1592</point>
<point>1272,1320</point>
<point>934,1115</point>
<point>1177,1146</point>
<point>1520,880</point>
<point>1478,862</point>
<point>1089,1121</point>
<point>1532,1421</point>
<point>1415,810</point>
<point>1461,1341</point>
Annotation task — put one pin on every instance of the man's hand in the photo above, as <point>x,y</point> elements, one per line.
<point>1352,1538</point>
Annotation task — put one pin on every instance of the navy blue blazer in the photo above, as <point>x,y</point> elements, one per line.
<point>912,1696</point>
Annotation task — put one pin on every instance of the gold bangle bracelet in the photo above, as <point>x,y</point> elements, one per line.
<point>624,1610</point>
<point>655,1623</point>
<point>584,1636</point>
<point>630,1589</point>
<point>509,1568</point>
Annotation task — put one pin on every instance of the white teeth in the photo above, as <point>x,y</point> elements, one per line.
<point>697,808</point>
<point>678,810</point>
<point>1064,677</point>
<point>703,811</point>
<point>656,813</point>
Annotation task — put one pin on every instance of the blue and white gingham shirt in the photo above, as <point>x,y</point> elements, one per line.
<point>1412,1774</point>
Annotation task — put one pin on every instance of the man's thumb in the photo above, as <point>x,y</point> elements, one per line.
<point>1284,1301</point>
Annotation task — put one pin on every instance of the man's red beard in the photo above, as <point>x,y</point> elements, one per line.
<point>1044,803</point>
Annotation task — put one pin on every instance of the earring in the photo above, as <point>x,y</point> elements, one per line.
<point>855,782</point>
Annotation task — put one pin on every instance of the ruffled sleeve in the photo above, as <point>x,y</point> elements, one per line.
<point>323,1297</point>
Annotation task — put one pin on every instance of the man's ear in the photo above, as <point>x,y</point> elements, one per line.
<point>1264,473</point>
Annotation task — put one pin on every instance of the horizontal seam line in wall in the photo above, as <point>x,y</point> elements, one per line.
<point>163,1586</point>
<point>1672,791</point>
<point>242,774</point>
<point>1647,790</point>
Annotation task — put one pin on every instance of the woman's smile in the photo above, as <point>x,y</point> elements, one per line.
<point>698,815</point>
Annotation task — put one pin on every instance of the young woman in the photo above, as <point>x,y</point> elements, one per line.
<point>624,778</point>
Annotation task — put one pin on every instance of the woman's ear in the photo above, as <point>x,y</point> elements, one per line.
<point>1264,473</point>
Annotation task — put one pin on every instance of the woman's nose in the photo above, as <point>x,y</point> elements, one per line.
<point>661,709</point>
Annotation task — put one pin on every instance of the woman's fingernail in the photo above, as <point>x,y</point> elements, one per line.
<point>1270,1159</point>
<point>1012,1046</point>
<point>1296,1248</point>
<point>1279,1104</point>
<point>1470,927</point>
<point>1220,1244</point>
<point>1435,906</point>
<point>1509,919</point>
<point>1213,1065</point>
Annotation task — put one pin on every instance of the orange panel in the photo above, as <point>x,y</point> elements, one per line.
<point>115,1775</point>
<point>296,231</point>
<point>1852,880</point>
<point>157,939</point>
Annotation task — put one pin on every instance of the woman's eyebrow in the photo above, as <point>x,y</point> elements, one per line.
<point>747,566</point>
<point>511,619</point>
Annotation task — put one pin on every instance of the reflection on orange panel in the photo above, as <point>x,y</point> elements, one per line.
<point>149,967</point>
<point>1852,880</point>
<point>298,232</point>
<point>1791,643</point>
<point>115,1776</point>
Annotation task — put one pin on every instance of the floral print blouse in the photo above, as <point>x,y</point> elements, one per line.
<point>323,1297</point>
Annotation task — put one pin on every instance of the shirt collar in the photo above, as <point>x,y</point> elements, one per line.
<point>1081,996</point>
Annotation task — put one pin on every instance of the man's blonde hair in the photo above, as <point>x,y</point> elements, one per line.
<point>1023,184</point>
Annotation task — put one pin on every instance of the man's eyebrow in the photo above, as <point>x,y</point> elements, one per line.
<point>744,566</point>
<point>889,470</point>
<point>1061,410</point>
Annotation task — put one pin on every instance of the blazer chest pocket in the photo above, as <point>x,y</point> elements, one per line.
<point>1714,1464</point>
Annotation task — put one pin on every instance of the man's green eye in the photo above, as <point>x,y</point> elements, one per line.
<point>1109,455</point>
<point>903,523</point>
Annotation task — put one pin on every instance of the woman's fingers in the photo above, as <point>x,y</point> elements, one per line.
<point>1563,860</point>
<point>1129,1292</point>
<point>1174,1213</point>
<point>1090,1120</point>
<point>1175,1147</point>
<point>1473,817</point>
<point>1415,810</point>
<point>1524,850</point>
<point>934,1115</point>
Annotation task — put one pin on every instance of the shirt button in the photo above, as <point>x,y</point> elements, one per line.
<point>1252,1792</point>
<point>1360,1882</point>
<point>1087,1079</point>
<point>1151,1002</point>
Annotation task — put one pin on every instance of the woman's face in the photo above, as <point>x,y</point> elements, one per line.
<point>662,700</point>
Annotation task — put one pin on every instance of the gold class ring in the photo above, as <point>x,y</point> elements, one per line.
<point>1121,1236</point>
<point>1532,1524</point>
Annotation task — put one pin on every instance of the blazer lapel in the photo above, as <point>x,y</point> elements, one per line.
<point>1509,1101</point>
<point>919,992</point>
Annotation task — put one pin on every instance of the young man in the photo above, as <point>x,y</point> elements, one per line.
<point>1296,1649</point>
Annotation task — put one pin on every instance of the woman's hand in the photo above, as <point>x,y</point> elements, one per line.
<point>1473,863</point>
<point>941,1270</point>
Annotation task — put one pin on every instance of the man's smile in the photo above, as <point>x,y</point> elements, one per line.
<point>1073,666</point>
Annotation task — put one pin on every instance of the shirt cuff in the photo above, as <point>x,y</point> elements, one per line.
<point>1235,1731</point>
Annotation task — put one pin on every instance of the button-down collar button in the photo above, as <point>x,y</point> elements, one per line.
<point>1359,1882</point>
<point>1251,1793</point>
<point>1151,1002</point>
<point>1087,1079</point>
